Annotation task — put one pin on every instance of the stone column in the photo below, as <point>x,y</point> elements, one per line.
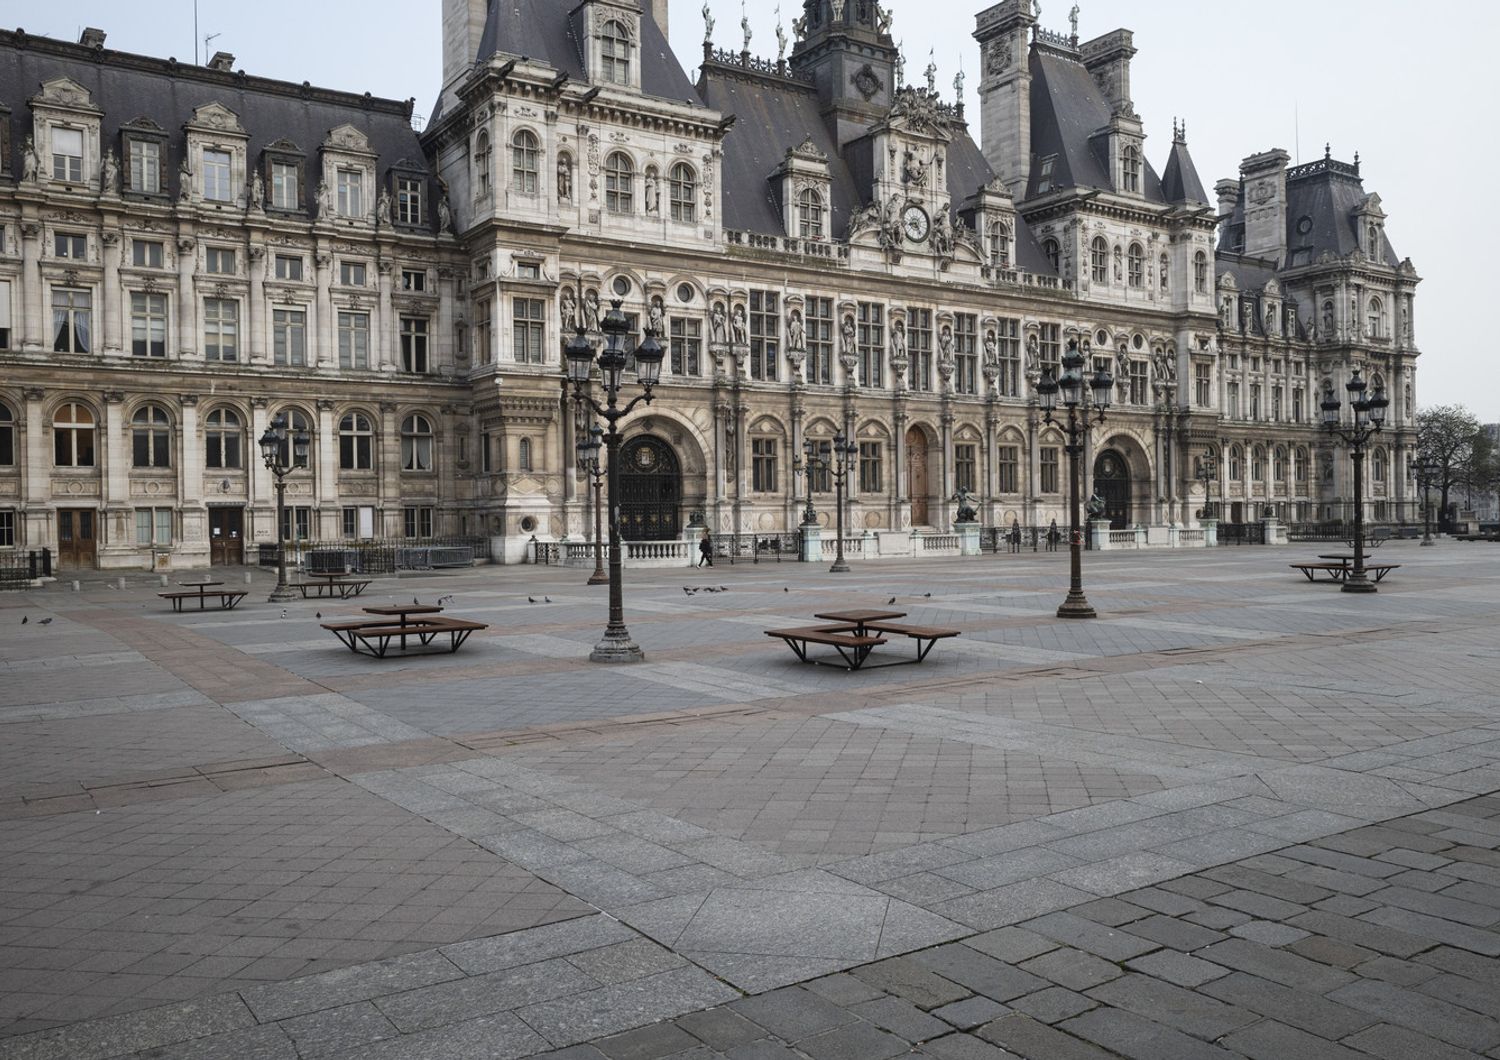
<point>323,352</point>
<point>40,530</point>
<point>33,327</point>
<point>111,295</point>
<point>187,316</point>
<point>389,470</point>
<point>444,339</point>
<point>386,343</point>
<point>325,455</point>
<point>255,349</point>
<point>191,449</point>
<point>899,493</point>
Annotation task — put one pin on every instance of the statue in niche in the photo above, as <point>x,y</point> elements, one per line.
<point>656,318</point>
<point>653,190</point>
<point>591,311</point>
<point>991,348</point>
<point>1122,364</point>
<point>109,172</point>
<point>1271,328</point>
<point>847,336</point>
<point>739,327</point>
<point>184,180</point>
<point>445,214</point>
<point>718,325</point>
<point>945,344</point>
<point>796,334</point>
<point>383,207</point>
<point>257,191</point>
<point>29,161</point>
<point>564,178</point>
<point>898,341</point>
<point>1033,356</point>
<point>1119,265</point>
<point>567,311</point>
<point>1327,320</point>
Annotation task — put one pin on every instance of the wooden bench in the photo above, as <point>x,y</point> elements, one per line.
<point>852,648</point>
<point>1337,572</point>
<point>344,587</point>
<point>227,597</point>
<point>374,637</point>
<point>925,636</point>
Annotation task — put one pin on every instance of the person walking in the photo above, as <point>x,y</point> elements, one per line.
<point>705,550</point>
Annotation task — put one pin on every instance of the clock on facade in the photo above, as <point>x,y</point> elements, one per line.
<point>914,223</point>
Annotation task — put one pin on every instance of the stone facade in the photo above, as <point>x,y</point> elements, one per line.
<point>821,247</point>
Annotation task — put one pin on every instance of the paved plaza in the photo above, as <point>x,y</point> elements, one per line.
<point>1239,815</point>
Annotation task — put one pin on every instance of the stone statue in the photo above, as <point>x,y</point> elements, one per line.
<point>591,311</point>
<point>1095,506</point>
<point>882,20</point>
<point>942,235</point>
<point>796,334</point>
<point>1033,356</point>
<point>29,161</point>
<point>1036,8</point>
<point>653,190</point>
<point>931,73</point>
<point>958,86</point>
<point>708,25</point>
<point>656,318</point>
<point>1327,320</point>
<point>799,28</point>
<point>913,169</point>
<point>445,214</point>
<point>718,325</point>
<point>780,43</point>
<point>898,340</point>
<point>991,348</point>
<point>109,173</point>
<point>567,311</point>
<point>325,199</point>
<point>1073,19</point>
<point>1166,367</point>
<point>945,343</point>
<point>890,225</point>
<point>847,336</point>
<point>738,327</point>
<point>745,25</point>
<point>184,181</point>
<point>1122,364</point>
<point>383,207</point>
<point>564,178</point>
<point>257,191</point>
<point>900,64</point>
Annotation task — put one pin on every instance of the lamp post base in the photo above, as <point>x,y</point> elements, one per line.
<point>839,567</point>
<point>1076,606</point>
<point>617,647</point>
<point>1428,542</point>
<point>1358,584</point>
<point>599,577</point>
<point>281,594</point>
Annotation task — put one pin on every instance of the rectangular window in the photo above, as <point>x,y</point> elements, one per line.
<point>146,253</point>
<point>1049,469</point>
<point>965,468</point>
<point>285,186</point>
<point>414,345</point>
<point>763,465</point>
<point>7,529</point>
<point>1138,389</point>
<point>527,326</point>
<point>67,155</point>
<point>351,190</point>
<point>1297,406</point>
<point>1010,469</point>
<point>1049,350</point>
<point>870,478</point>
<point>819,323</point>
<point>354,340</point>
<point>296,524</point>
<point>414,279</point>
<point>416,522</point>
<point>408,201</point>
<point>4,336</point>
<point>220,260</point>
<point>1276,404</point>
<point>289,337</point>
<point>919,347</point>
<point>145,166</point>
<point>221,329</point>
<point>349,522</point>
<point>966,353</point>
<point>483,332</point>
<point>871,342</point>
<point>765,335</point>
<point>1202,385</point>
<point>686,346</point>
<point>528,270</point>
<point>217,167</point>
<point>70,245</point>
<point>288,267</point>
<point>1232,401</point>
<point>72,320</point>
<point>153,526</point>
<point>1255,401</point>
<point>1008,356</point>
<point>352,273</point>
<point>148,325</point>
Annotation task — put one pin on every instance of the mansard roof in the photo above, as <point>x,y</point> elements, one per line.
<point>128,88</point>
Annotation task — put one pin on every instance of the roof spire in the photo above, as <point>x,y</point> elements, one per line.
<point>1327,150</point>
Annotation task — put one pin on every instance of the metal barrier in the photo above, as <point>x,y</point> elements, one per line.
<point>384,556</point>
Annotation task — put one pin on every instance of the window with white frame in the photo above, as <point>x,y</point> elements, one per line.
<point>614,53</point>
<point>1202,385</point>
<point>148,324</point>
<point>288,267</point>
<point>416,521</point>
<point>351,192</point>
<point>356,442</point>
<point>289,337</point>
<point>1099,260</point>
<point>219,260</point>
<point>1135,259</point>
<point>818,315</point>
<point>72,320</point>
<point>153,526</point>
<point>966,353</point>
<point>145,166</point>
<point>1200,272</point>
<point>686,345</point>
<point>1130,168</point>
<point>482,163</point>
<point>7,436</point>
<point>765,335</point>
<point>221,329</point>
<point>683,193</point>
<point>1009,468</point>
<point>352,273</point>
<point>619,184</point>
<point>763,465</point>
<point>70,245</point>
<point>7,528</point>
<point>218,167</point>
<point>296,523</point>
<point>870,472</point>
<point>67,154</point>
<point>1008,352</point>
<point>870,343</point>
<point>1048,468</point>
<point>525,165</point>
<point>810,213</point>
<point>414,345</point>
<point>1052,252</point>
<point>354,339</point>
<point>150,438</point>
<point>147,253</point>
<point>527,328</point>
<point>408,200</point>
<point>414,279</point>
<point>919,347</point>
<point>286,185</point>
<point>484,331</point>
<point>5,315</point>
<point>965,466</point>
<point>73,432</point>
<point>416,443</point>
<point>296,421</point>
<point>1000,244</point>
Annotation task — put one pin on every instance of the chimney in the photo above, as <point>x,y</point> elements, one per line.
<point>92,38</point>
<point>1107,58</point>
<point>1004,33</point>
<point>659,14</point>
<point>1228,192</point>
<point>463,25</point>
<point>222,61</point>
<point>1264,178</point>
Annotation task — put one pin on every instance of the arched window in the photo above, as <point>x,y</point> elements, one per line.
<point>525,166</point>
<point>151,437</point>
<point>1373,238</point>
<point>1000,245</point>
<point>1236,462</point>
<point>1130,169</point>
<point>73,436</point>
<point>1052,251</point>
<point>1278,464</point>
<point>614,53</point>
<point>1136,261</point>
<point>1377,318</point>
<point>1099,260</point>
<point>683,190</point>
<point>1257,463</point>
<point>7,436</point>
<point>810,214</point>
<point>1200,272</point>
<point>416,444</point>
<point>482,162</point>
<point>1299,465</point>
<point>296,420</point>
<point>222,437</point>
<point>619,184</point>
<point>1378,465</point>
<point>524,459</point>
<point>356,442</point>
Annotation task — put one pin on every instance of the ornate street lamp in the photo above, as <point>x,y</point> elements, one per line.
<point>588,460</point>
<point>844,452</point>
<point>1369,415</point>
<point>280,462</point>
<point>805,466</point>
<point>1072,389</point>
<point>1207,473</point>
<point>616,645</point>
<point>1426,470</point>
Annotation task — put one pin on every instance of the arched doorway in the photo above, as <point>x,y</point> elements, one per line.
<point>1112,484</point>
<point>650,490</point>
<point>916,475</point>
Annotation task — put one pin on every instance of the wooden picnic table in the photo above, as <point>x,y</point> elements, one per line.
<point>203,592</point>
<point>859,619</point>
<point>403,613</point>
<point>198,585</point>
<point>854,634</point>
<point>334,582</point>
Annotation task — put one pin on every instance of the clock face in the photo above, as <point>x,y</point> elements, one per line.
<point>915,224</point>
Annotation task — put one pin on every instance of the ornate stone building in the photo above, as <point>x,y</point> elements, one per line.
<point>821,246</point>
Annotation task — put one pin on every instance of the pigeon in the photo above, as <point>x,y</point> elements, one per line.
<point>415,602</point>
<point>45,622</point>
<point>785,589</point>
<point>445,600</point>
<point>25,619</point>
<point>283,612</point>
<point>319,615</point>
<point>723,588</point>
<point>531,599</point>
<point>927,595</point>
<point>688,591</point>
<point>546,599</point>
<point>891,601</point>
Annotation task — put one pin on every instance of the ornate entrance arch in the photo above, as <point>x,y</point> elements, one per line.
<point>650,490</point>
<point>1112,484</point>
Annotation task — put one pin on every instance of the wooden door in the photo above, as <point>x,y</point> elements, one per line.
<point>916,475</point>
<point>77,538</point>
<point>1112,485</point>
<point>226,536</point>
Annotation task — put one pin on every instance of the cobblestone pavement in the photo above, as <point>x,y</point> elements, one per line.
<point>1237,816</point>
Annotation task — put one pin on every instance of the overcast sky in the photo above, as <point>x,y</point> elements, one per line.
<point>1402,83</point>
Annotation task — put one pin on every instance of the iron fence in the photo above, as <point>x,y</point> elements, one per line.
<point>1241,533</point>
<point>380,556</point>
<point>1029,539</point>
<point>19,569</point>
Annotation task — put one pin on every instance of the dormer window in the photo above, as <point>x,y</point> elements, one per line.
<point>684,193</point>
<point>1200,272</point>
<point>1130,169</point>
<point>482,163</point>
<point>408,200</point>
<point>217,167</point>
<point>1377,318</point>
<point>1044,178</point>
<point>1000,244</point>
<point>1052,252</point>
<point>285,182</point>
<point>67,154</point>
<point>810,214</point>
<point>145,166</point>
<point>614,53</point>
<point>525,170</point>
<point>351,190</point>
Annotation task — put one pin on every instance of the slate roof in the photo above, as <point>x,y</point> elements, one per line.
<point>1179,181</point>
<point>126,86</point>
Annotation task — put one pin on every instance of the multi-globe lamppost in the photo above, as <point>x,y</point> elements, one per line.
<point>616,645</point>
<point>1071,388</point>
<point>1207,473</point>
<point>1426,469</point>
<point>837,464</point>
<point>805,466</point>
<point>588,460</point>
<point>1368,416</point>
<point>281,459</point>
